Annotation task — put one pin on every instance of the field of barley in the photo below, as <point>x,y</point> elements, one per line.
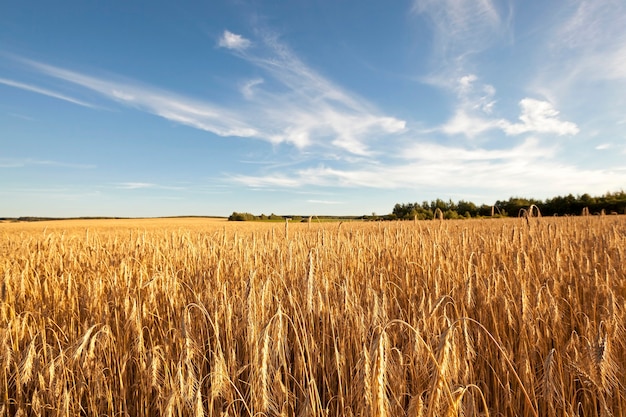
<point>196,317</point>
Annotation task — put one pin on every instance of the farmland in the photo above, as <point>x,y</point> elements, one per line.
<point>172,317</point>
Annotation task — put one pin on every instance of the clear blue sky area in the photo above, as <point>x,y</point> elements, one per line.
<point>155,108</point>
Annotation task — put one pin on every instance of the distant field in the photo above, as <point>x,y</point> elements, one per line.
<point>113,223</point>
<point>196,316</point>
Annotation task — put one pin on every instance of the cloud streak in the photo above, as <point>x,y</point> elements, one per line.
<point>431,166</point>
<point>199,114</point>
<point>586,48</point>
<point>595,32</point>
<point>145,185</point>
<point>461,28</point>
<point>316,110</point>
<point>308,111</point>
<point>29,162</point>
<point>423,164</point>
<point>43,91</point>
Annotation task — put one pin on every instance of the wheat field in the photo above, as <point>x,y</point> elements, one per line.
<point>196,317</point>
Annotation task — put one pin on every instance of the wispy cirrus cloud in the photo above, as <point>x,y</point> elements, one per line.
<point>200,114</point>
<point>301,107</point>
<point>30,162</point>
<point>248,87</point>
<point>44,91</point>
<point>422,164</point>
<point>134,185</point>
<point>593,40</point>
<point>462,27</point>
<point>313,109</point>
<point>429,165</point>
<point>145,185</point>
<point>474,105</point>
<point>586,47</point>
<point>592,26</point>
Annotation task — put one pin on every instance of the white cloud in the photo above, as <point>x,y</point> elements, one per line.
<point>466,82</point>
<point>196,113</point>
<point>475,105</point>
<point>616,63</point>
<point>43,91</point>
<point>475,97</point>
<point>536,117</point>
<point>247,89</point>
<point>588,46</point>
<point>469,125</point>
<point>527,150</point>
<point>591,24</point>
<point>261,182</point>
<point>135,185</point>
<point>540,117</point>
<point>29,162</point>
<point>304,110</point>
<point>313,110</point>
<point>231,40</point>
<point>525,168</point>
<point>462,27</point>
<point>123,96</point>
<point>145,185</point>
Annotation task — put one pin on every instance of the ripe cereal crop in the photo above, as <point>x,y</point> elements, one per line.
<point>197,317</point>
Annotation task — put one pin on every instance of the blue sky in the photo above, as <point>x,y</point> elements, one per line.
<point>155,108</point>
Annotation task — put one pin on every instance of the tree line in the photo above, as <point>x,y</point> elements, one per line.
<point>242,217</point>
<point>569,205</point>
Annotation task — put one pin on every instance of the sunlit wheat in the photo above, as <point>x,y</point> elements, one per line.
<point>498,317</point>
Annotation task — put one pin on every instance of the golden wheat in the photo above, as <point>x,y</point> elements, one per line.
<point>177,317</point>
